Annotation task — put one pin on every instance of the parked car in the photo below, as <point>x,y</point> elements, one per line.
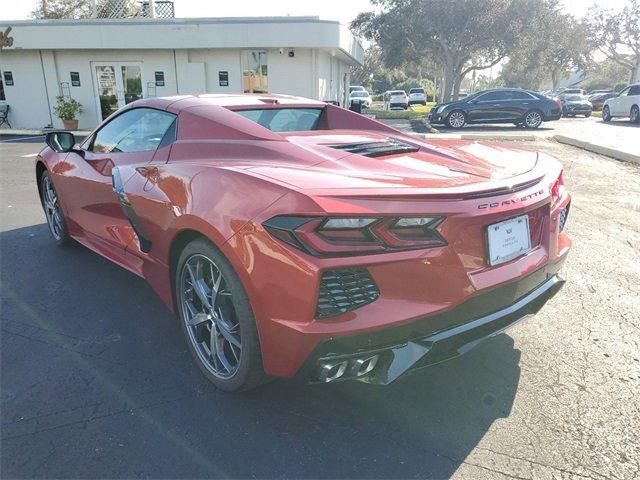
<point>504,105</point>
<point>356,88</point>
<point>417,96</point>
<point>293,238</point>
<point>398,99</point>
<point>361,96</point>
<point>572,91</point>
<point>598,99</point>
<point>602,90</point>
<point>573,105</point>
<point>625,104</point>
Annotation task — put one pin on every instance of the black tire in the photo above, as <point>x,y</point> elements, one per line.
<point>456,119</point>
<point>634,115</point>
<point>249,371</point>
<point>606,114</point>
<point>532,119</point>
<point>52,209</point>
<point>587,115</point>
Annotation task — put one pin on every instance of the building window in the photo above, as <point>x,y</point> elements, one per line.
<point>255,72</point>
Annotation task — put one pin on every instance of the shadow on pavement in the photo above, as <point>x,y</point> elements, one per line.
<point>96,381</point>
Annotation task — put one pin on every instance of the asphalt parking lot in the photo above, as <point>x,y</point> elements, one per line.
<point>96,380</point>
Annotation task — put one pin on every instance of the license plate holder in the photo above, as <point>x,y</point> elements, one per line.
<point>508,239</point>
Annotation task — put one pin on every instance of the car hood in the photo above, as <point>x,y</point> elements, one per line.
<point>577,102</point>
<point>425,165</point>
<point>450,104</point>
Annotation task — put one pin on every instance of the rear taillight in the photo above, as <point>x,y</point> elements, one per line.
<point>335,236</point>
<point>557,189</point>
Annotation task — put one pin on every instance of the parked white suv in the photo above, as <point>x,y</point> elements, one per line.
<point>397,99</point>
<point>626,104</point>
<point>417,95</point>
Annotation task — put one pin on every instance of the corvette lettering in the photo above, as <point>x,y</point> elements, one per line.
<point>484,206</point>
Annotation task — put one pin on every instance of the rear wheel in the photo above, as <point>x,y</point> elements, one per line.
<point>533,119</point>
<point>606,114</point>
<point>53,210</point>
<point>634,116</point>
<point>587,115</point>
<point>217,319</point>
<point>457,119</point>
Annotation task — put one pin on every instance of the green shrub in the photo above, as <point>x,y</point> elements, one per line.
<point>67,109</point>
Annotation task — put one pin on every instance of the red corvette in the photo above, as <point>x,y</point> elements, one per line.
<point>294,238</point>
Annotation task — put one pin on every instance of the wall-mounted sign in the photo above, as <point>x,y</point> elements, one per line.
<point>75,79</point>
<point>159,79</point>
<point>223,78</point>
<point>8,79</point>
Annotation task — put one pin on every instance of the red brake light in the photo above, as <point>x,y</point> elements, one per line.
<point>335,236</point>
<point>557,188</point>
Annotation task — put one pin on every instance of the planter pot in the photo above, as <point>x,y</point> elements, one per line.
<point>70,124</point>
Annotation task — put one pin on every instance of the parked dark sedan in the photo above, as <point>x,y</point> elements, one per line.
<point>504,105</point>
<point>598,99</point>
<point>573,105</point>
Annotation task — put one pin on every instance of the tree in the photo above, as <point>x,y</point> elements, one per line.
<point>55,9</point>
<point>74,9</point>
<point>617,35</point>
<point>459,36</point>
<point>552,47</point>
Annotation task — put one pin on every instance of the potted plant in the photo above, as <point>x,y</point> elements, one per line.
<point>67,109</point>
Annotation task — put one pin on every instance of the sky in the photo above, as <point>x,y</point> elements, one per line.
<point>342,10</point>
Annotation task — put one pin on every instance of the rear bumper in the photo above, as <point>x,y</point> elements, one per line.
<point>425,342</point>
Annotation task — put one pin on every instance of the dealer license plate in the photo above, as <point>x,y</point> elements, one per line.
<point>508,239</point>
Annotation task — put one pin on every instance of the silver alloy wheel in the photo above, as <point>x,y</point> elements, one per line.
<point>210,317</point>
<point>456,119</point>
<point>533,119</point>
<point>52,208</point>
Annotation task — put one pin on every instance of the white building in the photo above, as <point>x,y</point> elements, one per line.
<point>105,63</point>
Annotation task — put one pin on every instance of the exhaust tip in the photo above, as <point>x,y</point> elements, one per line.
<point>364,366</point>
<point>330,371</point>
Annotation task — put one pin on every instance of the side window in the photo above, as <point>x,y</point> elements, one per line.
<point>520,96</point>
<point>625,92</point>
<point>493,96</point>
<point>635,90</point>
<point>137,130</point>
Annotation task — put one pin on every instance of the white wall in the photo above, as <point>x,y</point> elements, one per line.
<point>292,76</point>
<point>27,98</point>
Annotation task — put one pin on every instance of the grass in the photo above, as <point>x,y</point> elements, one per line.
<point>414,112</point>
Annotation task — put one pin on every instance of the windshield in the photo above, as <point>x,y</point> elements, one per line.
<point>359,94</point>
<point>397,92</point>
<point>416,90</point>
<point>573,98</point>
<point>284,119</point>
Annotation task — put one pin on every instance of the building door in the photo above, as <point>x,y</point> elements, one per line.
<point>117,84</point>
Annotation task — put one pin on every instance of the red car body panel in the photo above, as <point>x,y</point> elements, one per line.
<point>225,176</point>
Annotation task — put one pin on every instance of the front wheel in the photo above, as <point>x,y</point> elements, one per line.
<point>457,119</point>
<point>217,319</point>
<point>635,114</point>
<point>587,115</point>
<point>533,119</point>
<point>606,114</point>
<point>53,210</point>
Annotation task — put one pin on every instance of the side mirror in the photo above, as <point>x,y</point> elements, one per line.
<point>60,141</point>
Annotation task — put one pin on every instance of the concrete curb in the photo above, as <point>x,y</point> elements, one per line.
<point>599,149</point>
<point>479,136</point>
